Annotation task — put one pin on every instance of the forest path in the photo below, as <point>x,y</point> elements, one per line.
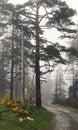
<point>64,119</point>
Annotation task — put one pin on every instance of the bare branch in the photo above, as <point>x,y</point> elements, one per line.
<point>44,16</point>
<point>48,71</point>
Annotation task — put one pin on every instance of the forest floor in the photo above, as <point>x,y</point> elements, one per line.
<point>18,117</point>
<point>64,118</point>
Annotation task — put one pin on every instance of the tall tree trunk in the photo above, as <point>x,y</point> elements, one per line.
<point>73,79</point>
<point>22,69</point>
<point>12,66</point>
<point>56,89</point>
<point>16,84</point>
<point>60,87</point>
<point>38,88</point>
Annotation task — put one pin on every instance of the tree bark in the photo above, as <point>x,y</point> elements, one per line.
<point>37,69</point>
<point>12,66</point>
<point>22,69</point>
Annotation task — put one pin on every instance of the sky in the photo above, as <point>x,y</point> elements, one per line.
<point>71,3</point>
<point>17,1</point>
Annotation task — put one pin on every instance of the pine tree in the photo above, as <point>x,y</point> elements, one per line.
<point>56,14</point>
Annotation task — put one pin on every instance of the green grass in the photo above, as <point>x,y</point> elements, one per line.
<point>74,109</point>
<point>9,120</point>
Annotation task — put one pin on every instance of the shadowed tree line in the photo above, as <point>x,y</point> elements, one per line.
<point>72,71</point>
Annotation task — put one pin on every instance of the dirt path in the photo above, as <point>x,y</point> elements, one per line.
<point>63,119</point>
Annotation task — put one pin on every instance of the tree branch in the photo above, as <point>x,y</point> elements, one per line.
<point>44,16</point>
